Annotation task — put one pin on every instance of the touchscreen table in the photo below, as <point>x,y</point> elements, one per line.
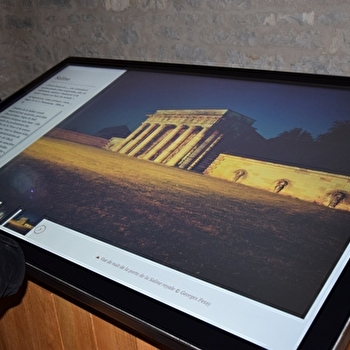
<point>205,205</point>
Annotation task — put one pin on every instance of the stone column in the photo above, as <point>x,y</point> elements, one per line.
<point>187,148</point>
<point>201,151</point>
<point>176,144</point>
<point>130,146</point>
<point>155,131</point>
<point>130,140</point>
<point>171,134</point>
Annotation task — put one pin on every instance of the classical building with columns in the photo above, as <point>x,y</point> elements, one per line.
<point>188,139</point>
<point>210,141</point>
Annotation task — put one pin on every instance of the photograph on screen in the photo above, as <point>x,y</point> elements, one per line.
<point>241,184</point>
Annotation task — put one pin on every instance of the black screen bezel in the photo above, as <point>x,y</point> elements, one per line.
<point>157,322</point>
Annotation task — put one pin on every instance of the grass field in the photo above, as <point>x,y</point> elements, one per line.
<point>272,248</point>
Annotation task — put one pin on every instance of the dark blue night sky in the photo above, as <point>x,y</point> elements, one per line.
<point>275,107</point>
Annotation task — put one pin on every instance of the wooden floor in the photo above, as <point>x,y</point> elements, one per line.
<point>45,321</point>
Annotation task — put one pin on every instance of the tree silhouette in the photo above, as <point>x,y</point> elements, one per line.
<point>296,134</point>
<point>293,147</point>
<point>334,147</point>
<point>338,134</point>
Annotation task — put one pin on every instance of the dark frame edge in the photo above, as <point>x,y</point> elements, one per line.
<point>138,326</point>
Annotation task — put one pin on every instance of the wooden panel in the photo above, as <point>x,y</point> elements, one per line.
<point>109,337</point>
<point>75,325</point>
<point>32,324</point>
<point>43,320</point>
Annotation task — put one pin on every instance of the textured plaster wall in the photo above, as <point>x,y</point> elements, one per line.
<point>299,35</point>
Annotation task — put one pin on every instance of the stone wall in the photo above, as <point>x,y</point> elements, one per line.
<point>307,36</point>
<point>77,137</point>
<point>309,185</point>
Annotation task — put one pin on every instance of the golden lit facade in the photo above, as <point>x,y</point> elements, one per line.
<point>306,184</point>
<point>206,141</point>
<point>182,138</point>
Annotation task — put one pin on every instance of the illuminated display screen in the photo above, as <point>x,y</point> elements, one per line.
<point>221,196</point>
